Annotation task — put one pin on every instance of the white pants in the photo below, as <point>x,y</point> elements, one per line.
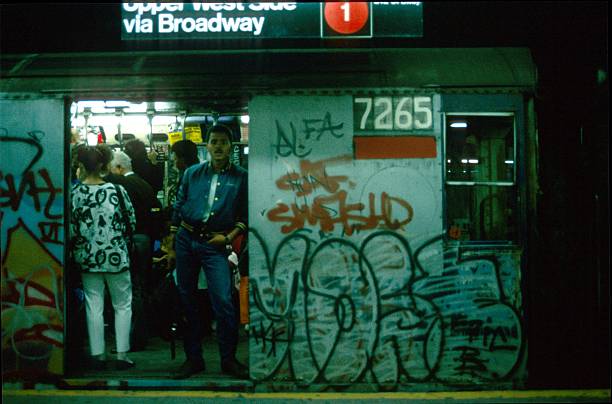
<point>120,289</point>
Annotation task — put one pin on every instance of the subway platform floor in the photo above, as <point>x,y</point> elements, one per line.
<point>154,366</point>
<point>150,382</point>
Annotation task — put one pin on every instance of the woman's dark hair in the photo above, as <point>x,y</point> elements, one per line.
<point>219,128</point>
<point>187,150</point>
<point>94,158</point>
<point>136,149</point>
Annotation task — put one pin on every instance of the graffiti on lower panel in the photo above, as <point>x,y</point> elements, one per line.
<point>32,222</point>
<point>32,319</point>
<point>334,313</point>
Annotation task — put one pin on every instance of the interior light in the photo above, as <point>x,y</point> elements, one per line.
<point>448,161</point>
<point>458,124</point>
<point>164,119</point>
<point>116,104</point>
<point>509,162</point>
<point>473,161</point>
<point>92,139</point>
<point>100,110</point>
<point>164,106</point>
<point>90,104</point>
<point>79,121</point>
<point>245,119</point>
<point>464,161</point>
<point>142,107</point>
<point>246,150</point>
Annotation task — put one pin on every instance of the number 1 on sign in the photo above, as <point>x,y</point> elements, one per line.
<point>346,7</point>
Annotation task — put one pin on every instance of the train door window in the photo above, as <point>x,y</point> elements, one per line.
<point>480,173</point>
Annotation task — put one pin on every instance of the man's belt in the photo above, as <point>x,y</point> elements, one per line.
<point>201,231</point>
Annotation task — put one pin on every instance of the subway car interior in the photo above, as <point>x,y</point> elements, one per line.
<point>158,124</point>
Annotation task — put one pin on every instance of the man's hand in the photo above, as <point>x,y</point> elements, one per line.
<point>218,239</point>
<point>171,259</point>
<point>152,155</point>
<point>168,248</point>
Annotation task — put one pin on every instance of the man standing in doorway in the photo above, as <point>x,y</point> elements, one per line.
<point>209,212</point>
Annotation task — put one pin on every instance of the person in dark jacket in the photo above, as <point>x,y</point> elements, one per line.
<point>209,212</point>
<point>148,170</point>
<point>140,191</point>
<point>186,154</point>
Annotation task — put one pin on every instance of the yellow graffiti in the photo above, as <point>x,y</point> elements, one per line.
<point>32,320</point>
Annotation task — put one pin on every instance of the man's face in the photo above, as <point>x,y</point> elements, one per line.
<point>219,147</point>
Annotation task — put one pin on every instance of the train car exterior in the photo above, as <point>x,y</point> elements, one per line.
<point>386,248</point>
<point>391,207</point>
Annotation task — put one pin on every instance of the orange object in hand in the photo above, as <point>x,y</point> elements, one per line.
<point>244,299</point>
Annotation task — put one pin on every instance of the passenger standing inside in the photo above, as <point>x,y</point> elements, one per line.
<point>99,228</point>
<point>75,144</point>
<point>185,155</point>
<point>144,201</point>
<point>143,165</point>
<point>210,210</point>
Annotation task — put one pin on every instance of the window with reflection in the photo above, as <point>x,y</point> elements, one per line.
<point>480,171</point>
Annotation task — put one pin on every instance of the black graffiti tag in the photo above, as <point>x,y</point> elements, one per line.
<point>11,194</point>
<point>294,142</point>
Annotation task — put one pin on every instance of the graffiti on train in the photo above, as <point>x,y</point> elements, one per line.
<point>296,138</point>
<point>32,234</point>
<point>334,207</point>
<point>333,312</point>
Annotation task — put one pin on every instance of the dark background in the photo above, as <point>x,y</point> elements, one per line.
<point>566,294</point>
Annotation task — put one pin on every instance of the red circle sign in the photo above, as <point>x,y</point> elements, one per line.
<point>346,17</point>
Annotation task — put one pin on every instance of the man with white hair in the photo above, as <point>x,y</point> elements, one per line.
<point>140,192</point>
<point>144,201</point>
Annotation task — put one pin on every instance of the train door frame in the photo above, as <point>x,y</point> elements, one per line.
<point>210,117</point>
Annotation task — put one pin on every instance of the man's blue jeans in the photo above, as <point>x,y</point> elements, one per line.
<point>191,255</point>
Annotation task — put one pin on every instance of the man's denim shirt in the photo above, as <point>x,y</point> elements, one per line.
<point>230,205</point>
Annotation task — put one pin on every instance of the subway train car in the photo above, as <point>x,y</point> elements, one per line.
<point>392,196</point>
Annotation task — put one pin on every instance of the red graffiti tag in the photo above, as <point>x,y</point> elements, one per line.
<point>312,175</point>
<point>329,210</point>
<point>37,333</point>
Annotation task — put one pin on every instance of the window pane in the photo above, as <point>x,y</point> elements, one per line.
<point>480,148</point>
<point>481,212</point>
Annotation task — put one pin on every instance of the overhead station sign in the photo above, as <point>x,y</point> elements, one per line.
<point>348,19</point>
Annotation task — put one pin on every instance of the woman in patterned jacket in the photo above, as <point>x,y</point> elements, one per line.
<point>99,231</point>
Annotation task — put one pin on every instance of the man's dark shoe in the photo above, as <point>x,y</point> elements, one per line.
<point>234,368</point>
<point>121,364</point>
<point>188,369</point>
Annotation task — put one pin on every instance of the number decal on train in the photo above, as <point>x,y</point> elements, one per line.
<point>404,113</point>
